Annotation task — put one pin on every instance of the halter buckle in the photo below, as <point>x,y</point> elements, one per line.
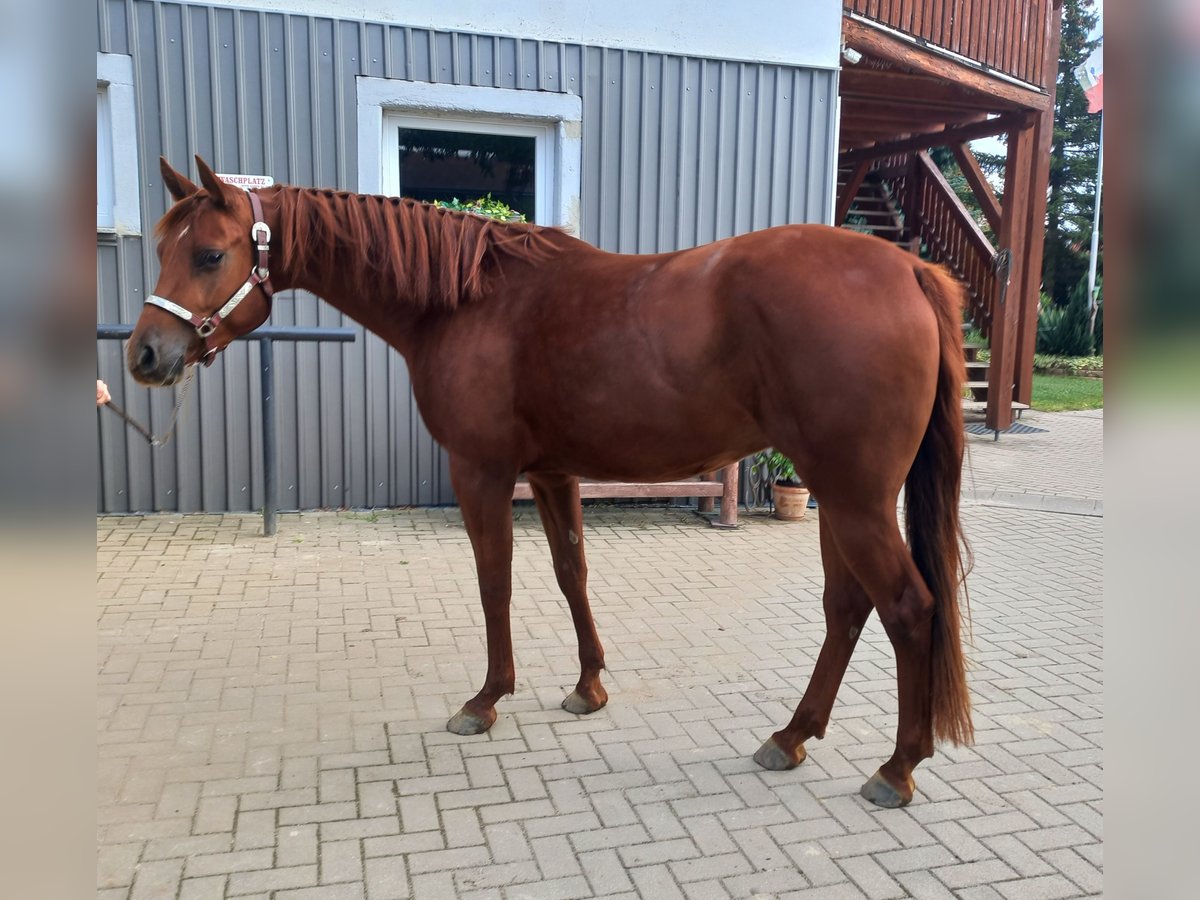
<point>255,229</point>
<point>205,328</point>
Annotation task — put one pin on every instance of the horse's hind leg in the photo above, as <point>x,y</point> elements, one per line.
<point>870,542</point>
<point>846,609</point>
<point>486,501</point>
<point>557,499</point>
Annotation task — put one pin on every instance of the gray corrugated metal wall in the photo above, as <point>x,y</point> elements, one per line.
<point>677,152</point>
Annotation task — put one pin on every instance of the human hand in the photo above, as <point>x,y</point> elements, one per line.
<point>102,394</point>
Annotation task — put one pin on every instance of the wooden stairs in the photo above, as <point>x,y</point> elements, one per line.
<point>875,210</point>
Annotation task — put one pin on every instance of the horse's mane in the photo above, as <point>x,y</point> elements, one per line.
<point>430,256</point>
<point>392,246</point>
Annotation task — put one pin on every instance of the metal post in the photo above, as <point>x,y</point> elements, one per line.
<point>1092,306</point>
<point>706,504</point>
<point>266,355</point>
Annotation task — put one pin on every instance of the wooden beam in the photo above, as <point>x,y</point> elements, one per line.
<point>897,122</point>
<point>915,90</point>
<point>852,186</point>
<point>979,184</point>
<point>860,36</point>
<point>1006,314</point>
<point>954,135</point>
<point>1036,239</point>
<point>592,490</point>
<point>898,108</point>
<point>898,128</point>
<point>865,138</point>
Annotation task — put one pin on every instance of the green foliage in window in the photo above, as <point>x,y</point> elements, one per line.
<point>483,206</point>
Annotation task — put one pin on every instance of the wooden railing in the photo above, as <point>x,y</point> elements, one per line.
<point>1007,36</point>
<point>933,212</point>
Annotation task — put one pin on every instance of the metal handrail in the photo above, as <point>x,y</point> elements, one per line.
<point>266,337</point>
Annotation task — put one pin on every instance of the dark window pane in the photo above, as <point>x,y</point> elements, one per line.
<point>444,165</point>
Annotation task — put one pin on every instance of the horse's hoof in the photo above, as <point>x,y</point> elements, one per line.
<point>771,756</point>
<point>465,722</point>
<point>581,706</point>
<point>881,792</point>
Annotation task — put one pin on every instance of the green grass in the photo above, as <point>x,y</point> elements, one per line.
<point>1057,393</point>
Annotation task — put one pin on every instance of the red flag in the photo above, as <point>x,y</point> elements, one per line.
<point>1090,76</point>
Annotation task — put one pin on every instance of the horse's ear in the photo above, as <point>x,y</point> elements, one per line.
<point>220,192</point>
<point>179,185</point>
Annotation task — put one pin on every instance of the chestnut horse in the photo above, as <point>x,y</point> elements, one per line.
<point>533,352</point>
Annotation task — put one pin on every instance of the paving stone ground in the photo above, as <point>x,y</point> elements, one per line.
<point>271,720</point>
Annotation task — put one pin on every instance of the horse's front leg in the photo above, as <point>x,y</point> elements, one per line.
<point>485,496</point>
<point>557,499</point>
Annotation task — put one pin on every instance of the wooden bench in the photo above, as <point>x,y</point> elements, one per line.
<point>706,488</point>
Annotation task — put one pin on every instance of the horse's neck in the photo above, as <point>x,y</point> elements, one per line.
<point>393,319</point>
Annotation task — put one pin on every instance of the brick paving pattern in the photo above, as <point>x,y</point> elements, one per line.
<point>271,711</point>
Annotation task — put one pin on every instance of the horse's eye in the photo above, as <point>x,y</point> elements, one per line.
<point>209,259</point>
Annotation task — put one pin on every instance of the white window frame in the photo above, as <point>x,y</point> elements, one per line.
<point>116,145</point>
<point>554,121</point>
<point>106,201</point>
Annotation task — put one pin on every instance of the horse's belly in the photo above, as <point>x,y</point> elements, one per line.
<point>619,444</point>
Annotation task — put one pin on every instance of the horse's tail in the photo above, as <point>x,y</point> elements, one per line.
<point>931,495</point>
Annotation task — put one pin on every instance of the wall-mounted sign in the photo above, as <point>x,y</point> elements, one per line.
<point>248,182</point>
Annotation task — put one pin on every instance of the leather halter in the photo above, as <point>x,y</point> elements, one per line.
<point>260,276</point>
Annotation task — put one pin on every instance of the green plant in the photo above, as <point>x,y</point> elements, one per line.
<point>1042,361</point>
<point>780,468</point>
<point>1066,330</point>
<point>483,206</point>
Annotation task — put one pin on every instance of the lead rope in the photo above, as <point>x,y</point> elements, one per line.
<point>142,429</point>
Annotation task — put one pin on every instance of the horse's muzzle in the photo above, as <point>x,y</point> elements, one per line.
<point>154,361</point>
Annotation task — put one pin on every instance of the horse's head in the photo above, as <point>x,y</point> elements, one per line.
<point>207,243</point>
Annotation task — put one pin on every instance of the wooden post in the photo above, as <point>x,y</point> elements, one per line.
<point>1035,241</point>
<point>729,497</point>
<point>1014,225</point>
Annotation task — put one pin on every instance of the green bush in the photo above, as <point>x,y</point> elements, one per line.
<point>483,206</point>
<point>1045,361</point>
<point>1064,330</point>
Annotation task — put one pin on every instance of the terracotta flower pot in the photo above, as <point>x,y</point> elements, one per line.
<point>791,503</point>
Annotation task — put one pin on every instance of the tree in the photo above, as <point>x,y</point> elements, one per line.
<point>1072,161</point>
<point>1072,190</point>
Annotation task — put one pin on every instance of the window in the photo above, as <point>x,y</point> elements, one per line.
<point>435,160</point>
<point>118,205</point>
<point>431,141</point>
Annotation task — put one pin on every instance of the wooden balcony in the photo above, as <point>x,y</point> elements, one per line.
<point>936,73</point>
<point>1004,36</point>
